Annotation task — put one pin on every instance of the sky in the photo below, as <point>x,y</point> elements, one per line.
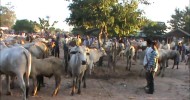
<point>159,10</point>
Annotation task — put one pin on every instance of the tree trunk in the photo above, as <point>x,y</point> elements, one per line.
<point>100,38</point>
<point>105,34</point>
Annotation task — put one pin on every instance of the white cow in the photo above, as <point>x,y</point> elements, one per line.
<point>37,49</point>
<point>77,67</point>
<point>94,56</point>
<point>16,61</point>
<point>2,45</point>
<point>130,53</point>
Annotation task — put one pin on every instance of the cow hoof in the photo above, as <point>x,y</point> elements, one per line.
<point>84,86</point>
<point>33,94</point>
<point>8,93</point>
<point>0,93</point>
<point>53,95</point>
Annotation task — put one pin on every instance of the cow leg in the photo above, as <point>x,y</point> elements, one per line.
<point>173,64</point>
<point>79,89</point>
<point>40,81</point>
<point>166,63</point>
<point>74,86</point>
<point>130,64</point>
<point>84,79</point>
<point>57,85</point>
<point>163,70</point>
<point>22,86</point>
<point>35,84</point>
<point>127,64</point>
<point>8,85</point>
<point>12,84</point>
<point>66,62</point>
<point>58,52</point>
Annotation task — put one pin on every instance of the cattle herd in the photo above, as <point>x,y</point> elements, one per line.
<point>21,60</point>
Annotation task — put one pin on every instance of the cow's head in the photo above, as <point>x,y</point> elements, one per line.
<point>2,45</point>
<point>102,50</point>
<point>81,52</point>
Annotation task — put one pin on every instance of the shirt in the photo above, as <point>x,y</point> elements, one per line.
<point>147,55</point>
<point>153,61</point>
<point>78,42</point>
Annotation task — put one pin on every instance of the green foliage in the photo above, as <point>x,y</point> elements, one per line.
<point>106,15</point>
<point>154,28</point>
<point>128,18</point>
<point>45,24</point>
<point>181,19</point>
<point>7,16</point>
<point>26,26</point>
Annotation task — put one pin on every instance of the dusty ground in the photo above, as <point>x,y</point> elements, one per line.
<point>105,84</point>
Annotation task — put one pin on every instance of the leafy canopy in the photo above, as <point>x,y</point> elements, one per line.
<point>26,26</point>
<point>7,16</point>
<point>181,19</point>
<point>108,15</point>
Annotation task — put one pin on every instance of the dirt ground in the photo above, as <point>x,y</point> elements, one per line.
<point>104,84</point>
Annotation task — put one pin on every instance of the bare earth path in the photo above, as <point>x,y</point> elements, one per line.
<point>105,84</point>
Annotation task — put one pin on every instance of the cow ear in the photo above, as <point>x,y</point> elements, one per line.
<point>87,53</point>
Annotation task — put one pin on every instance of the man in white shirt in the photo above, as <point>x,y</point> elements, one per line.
<point>66,52</point>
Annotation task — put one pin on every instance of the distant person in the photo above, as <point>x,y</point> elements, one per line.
<point>78,40</point>
<point>87,42</point>
<point>57,42</point>
<point>66,52</point>
<point>1,34</point>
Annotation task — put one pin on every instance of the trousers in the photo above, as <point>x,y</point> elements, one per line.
<point>150,81</point>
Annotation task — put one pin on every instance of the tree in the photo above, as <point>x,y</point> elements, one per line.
<point>154,28</point>
<point>106,15</point>
<point>181,19</point>
<point>26,26</point>
<point>45,24</point>
<point>7,16</point>
<point>127,18</point>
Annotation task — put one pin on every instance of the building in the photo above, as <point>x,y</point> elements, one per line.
<point>177,34</point>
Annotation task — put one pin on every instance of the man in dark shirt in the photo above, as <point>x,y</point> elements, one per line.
<point>57,52</point>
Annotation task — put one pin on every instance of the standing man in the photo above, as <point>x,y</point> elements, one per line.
<point>66,52</point>
<point>151,65</point>
<point>86,42</point>
<point>57,51</point>
<point>146,59</point>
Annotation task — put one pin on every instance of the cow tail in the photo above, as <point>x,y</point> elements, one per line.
<point>28,69</point>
